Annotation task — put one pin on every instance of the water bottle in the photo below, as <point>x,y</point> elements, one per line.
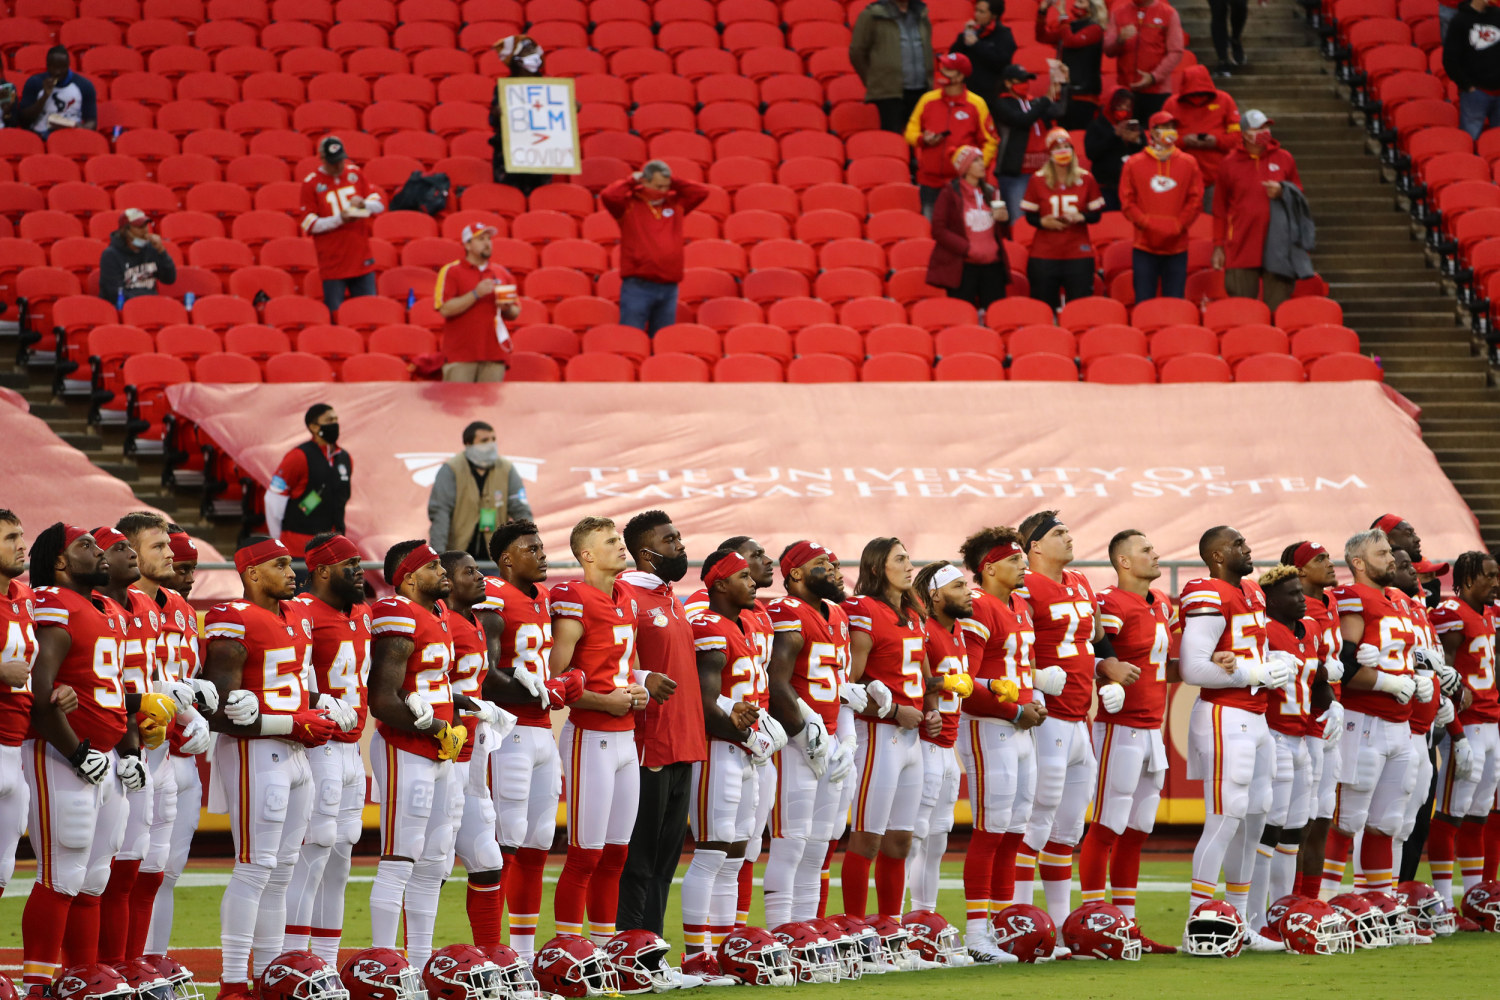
<point>411,299</point>
<point>114,134</point>
<point>120,299</point>
<point>188,300</point>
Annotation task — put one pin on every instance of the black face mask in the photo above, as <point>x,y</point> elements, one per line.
<point>329,433</point>
<point>1433,590</point>
<point>672,568</point>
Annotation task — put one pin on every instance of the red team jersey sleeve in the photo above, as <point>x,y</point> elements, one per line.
<point>1063,616</point>
<point>91,666</point>
<point>713,633</point>
<point>1385,628</point>
<point>897,649</point>
<point>823,662</point>
<point>946,655</point>
<point>526,640</point>
<point>278,651</point>
<point>19,649</point>
<point>1243,609</point>
<point>427,667</point>
<point>605,651</point>
<point>1475,660</point>
<point>341,657</point>
<point>999,639</point>
<point>467,676</point>
<point>1141,633</point>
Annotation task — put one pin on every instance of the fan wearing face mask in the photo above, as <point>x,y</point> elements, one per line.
<point>136,262</point>
<point>1161,193</point>
<point>1250,179</point>
<point>475,492</point>
<point>310,488</point>
<point>522,56</point>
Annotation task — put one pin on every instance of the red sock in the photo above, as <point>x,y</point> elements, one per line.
<point>833,846</point>
<point>1007,869</point>
<point>1093,861</point>
<point>604,889</point>
<point>114,910</point>
<point>1307,884</point>
<point>746,892</point>
<point>979,868</point>
<point>142,902</point>
<point>81,936</point>
<point>1056,862</point>
<point>523,886</point>
<point>1335,859</point>
<point>1442,842</point>
<point>485,904</point>
<point>1125,866</point>
<point>855,876</point>
<point>42,923</point>
<point>573,889</point>
<point>890,885</point>
<point>1470,848</point>
<point>1375,860</point>
<point>1491,846</point>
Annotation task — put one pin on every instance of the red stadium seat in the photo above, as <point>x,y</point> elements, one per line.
<point>1322,339</point>
<point>222,312</point>
<point>1110,338</point>
<point>934,314</point>
<point>335,343</point>
<point>1294,314</point>
<point>841,284</point>
<point>402,340</point>
<point>1242,341</point>
<point>247,282</point>
<point>895,368</point>
<point>968,339</point>
<point>1043,368</point>
<point>1090,311</point>
<point>900,338</point>
<point>864,314</point>
<point>723,314</point>
<point>674,367</point>
<point>748,368</point>
<point>813,368</point>
<point>188,342</point>
<point>1154,314</point>
<point>554,341</point>
<point>773,284</point>
<point>600,368</point>
<point>374,368</point>
<point>1171,341</point>
<point>585,312</point>
<point>153,313</point>
<point>226,368</point>
<point>1222,314</point>
<point>760,338</point>
<point>256,342</point>
<point>1270,368</point>
<point>616,338</point>
<point>1040,339</point>
<point>964,367</point>
<point>1195,368</point>
<point>1120,369</point>
<point>220,255</point>
<point>298,366</point>
<point>527,367</point>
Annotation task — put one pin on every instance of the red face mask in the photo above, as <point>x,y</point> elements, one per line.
<point>1021,88</point>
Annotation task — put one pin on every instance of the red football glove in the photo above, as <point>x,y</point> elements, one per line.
<point>174,737</point>
<point>564,690</point>
<point>312,728</point>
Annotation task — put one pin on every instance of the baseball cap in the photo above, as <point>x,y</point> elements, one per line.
<point>473,229</point>
<point>1428,566</point>
<point>1161,118</point>
<point>1058,135</point>
<point>134,217</point>
<point>1254,119</point>
<point>332,149</point>
<point>956,61</point>
<point>1014,72</point>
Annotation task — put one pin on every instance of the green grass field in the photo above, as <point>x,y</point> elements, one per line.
<point>1461,963</point>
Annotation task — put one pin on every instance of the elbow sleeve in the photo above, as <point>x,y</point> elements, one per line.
<point>1200,637</point>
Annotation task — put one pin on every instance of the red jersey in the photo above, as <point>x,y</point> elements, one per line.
<point>426,668</point>
<point>1326,618</point>
<point>341,657</point>
<point>1290,708</point>
<point>467,675</point>
<point>1388,630</point>
<point>1140,629</point>
<point>896,650</point>
<point>823,662</point>
<point>713,632</point>
<point>177,645</point>
<point>1243,609</point>
<point>526,640</point>
<point>999,640</point>
<point>1475,661</point>
<point>1073,242</point>
<point>1063,614</point>
<point>91,666</point>
<point>1423,713</point>
<point>606,649</point>
<point>761,631</point>
<point>946,655</point>
<point>343,252</point>
<point>278,648</point>
<point>20,647</point>
<point>142,629</point>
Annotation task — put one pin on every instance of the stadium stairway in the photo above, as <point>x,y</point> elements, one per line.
<point>1374,266</point>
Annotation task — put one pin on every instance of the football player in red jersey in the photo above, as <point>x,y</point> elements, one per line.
<point>1127,735</point>
<point>1440,710</point>
<point>1465,623</point>
<point>417,738</point>
<point>722,806</point>
<point>184,561</point>
<point>77,809</point>
<point>474,648</point>
<point>1071,650</point>
<point>593,633</point>
<point>16,656</point>
<point>995,740</point>
<point>1224,652</point>
<point>809,664</point>
<point>1378,688</point>
<point>945,592</point>
<point>258,651</point>
<point>335,600</point>
<point>337,202</point>
<point>887,655</point>
<point>525,770</point>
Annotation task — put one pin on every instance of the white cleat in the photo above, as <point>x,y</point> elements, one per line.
<point>1259,942</point>
<point>983,950</point>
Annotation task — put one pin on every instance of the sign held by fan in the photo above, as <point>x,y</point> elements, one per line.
<point>539,126</point>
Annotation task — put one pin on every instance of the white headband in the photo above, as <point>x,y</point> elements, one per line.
<point>943,577</point>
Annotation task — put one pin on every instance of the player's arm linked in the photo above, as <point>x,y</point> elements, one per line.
<point>47,717</point>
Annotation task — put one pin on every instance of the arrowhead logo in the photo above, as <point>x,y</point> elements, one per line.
<point>1161,184</point>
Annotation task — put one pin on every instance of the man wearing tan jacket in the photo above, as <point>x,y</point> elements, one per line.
<point>475,492</point>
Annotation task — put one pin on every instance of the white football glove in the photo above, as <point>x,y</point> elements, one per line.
<point>242,708</point>
<point>880,697</point>
<point>339,712</point>
<point>773,729</point>
<point>132,772</point>
<point>1463,758</point>
<point>854,696</point>
<point>208,695</point>
<point>181,695</point>
<point>1448,679</point>
<point>420,710</point>
<point>528,680</point>
<point>497,718</point>
<point>1276,670</point>
<point>1367,655</point>
<point>95,767</point>
<point>1050,680</point>
<point>840,763</point>
<point>1445,713</point>
<point>1334,667</point>
<point>1112,697</point>
<point>760,747</point>
<point>813,739</point>
<point>1398,686</point>
<point>1425,687</point>
<point>1333,724</point>
<point>195,735</point>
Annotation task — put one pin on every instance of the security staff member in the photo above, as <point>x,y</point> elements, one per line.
<point>310,489</point>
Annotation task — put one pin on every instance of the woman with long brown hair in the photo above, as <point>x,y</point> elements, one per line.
<point>1061,200</point>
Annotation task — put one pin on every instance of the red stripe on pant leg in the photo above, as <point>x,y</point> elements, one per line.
<point>866,774</point>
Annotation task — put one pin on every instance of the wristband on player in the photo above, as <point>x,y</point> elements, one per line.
<point>275,725</point>
<point>1103,649</point>
<point>128,751</point>
<point>80,755</point>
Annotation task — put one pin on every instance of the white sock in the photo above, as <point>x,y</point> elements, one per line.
<point>924,888</point>
<point>159,938</point>
<point>328,907</point>
<point>1219,832</point>
<point>307,877</point>
<point>270,921</point>
<point>725,900</point>
<point>421,908</point>
<point>237,917</point>
<point>1260,884</point>
<point>1059,894</point>
<point>1239,862</point>
<point>808,883</point>
<point>386,893</point>
<point>1283,872</point>
<point>697,895</point>
<point>779,881</point>
<point>913,873</point>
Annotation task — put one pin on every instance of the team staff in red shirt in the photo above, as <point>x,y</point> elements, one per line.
<point>337,202</point>
<point>649,206</point>
<point>476,343</point>
<point>1249,180</point>
<point>310,487</point>
<point>1161,193</point>
<point>1061,201</point>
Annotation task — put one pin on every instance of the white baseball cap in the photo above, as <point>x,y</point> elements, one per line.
<point>1254,119</point>
<point>473,229</point>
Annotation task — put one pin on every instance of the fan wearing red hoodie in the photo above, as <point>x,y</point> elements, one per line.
<point>1145,36</point>
<point>1161,193</point>
<point>649,206</point>
<point>944,121</point>
<point>1248,180</point>
<point>1209,123</point>
<point>1076,27</point>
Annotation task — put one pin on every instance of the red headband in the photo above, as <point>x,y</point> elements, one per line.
<point>71,534</point>
<point>1388,522</point>
<point>1002,551</point>
<point>260,552</point>
<point>724,569</point>
<point>1306,553</point>
<point>336,550</point>
<point>183,548</point>
<point>107,537</point>
<point>415,560</point>
<point>800,554</point>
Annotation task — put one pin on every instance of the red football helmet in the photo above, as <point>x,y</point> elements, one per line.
<point>145,979</point>
<point>91,982</point>
<point>569,965</point>
<point>7,989</point>
<point>894,947</point>
<point>1367,923</point>
<point>934,939</point>
<point>1099,930</point>
<point>754,957</point>
<point>381,974</point>
<point>865,942</point>
<point>1276,911</point>
<point>844,946</point>
<point>1426,907</point>
<point>1482,905</point>
<point>639,961</point>
<point>515,974</point>
<point>1399,927</point>
<point>814,958</point>
<point>301,975</point>
<point>1312,927</point>
<point>1214,930</point>
<point>462,972</point>
<point>1025,931</point>
<point>183,987</point>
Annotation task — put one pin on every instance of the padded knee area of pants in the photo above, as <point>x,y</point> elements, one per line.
<point>1271,836</point>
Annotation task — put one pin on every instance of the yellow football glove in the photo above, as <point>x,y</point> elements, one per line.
<point>451,740</point>
<point>960,684</point>
<point>1005,690</point>
<point>158,708</point>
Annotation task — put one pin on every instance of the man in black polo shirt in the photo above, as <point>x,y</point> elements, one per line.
<point>311,485</point>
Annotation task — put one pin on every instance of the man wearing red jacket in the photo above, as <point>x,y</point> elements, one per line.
<point>1161,193</point>
<point>1209,123</point>
<point>649,206</point>
<point>944,121</point>
<point>1248,181</point>
<point>1145,36</point>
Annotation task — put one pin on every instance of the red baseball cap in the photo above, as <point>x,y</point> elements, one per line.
<point>1161,118</point>
<point>135,217</point>
<point>956,61</point>
<point>1428,566</point>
